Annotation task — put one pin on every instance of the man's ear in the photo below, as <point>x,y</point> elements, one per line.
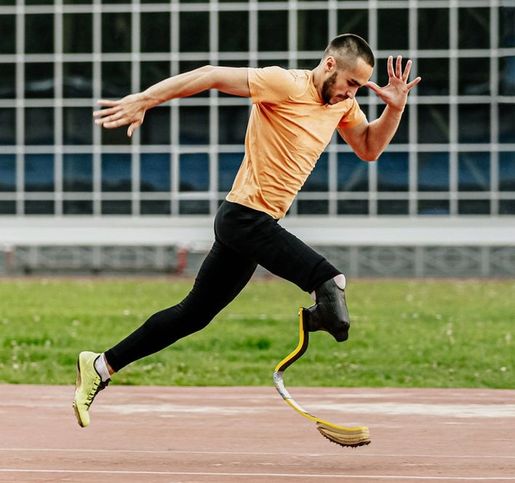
<point>330,64</point>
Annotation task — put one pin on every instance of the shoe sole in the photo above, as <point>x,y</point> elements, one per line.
<point>75,409</point>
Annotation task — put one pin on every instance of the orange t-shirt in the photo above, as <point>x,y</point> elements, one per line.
<point>289,128</point>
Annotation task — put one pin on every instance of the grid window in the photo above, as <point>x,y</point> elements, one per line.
<point>392,172</point>
<point>506,22</point>
<point>433,172</point>
<point>352,207</point>
<point>433,123</point>
<point>507,171</point>
<point>355,21</point>
<point>474,171</point>
<point>116,172</point>
<point>506,116</point>
<point>393,29</point>
<point>7,81</point>
<point>232,124</point>
<point>433,28</point>
<point>228,165</point>
<point>116,32</point>
<point>77,125</point>
<point>474,76</point>
<point>77,207</point>
<point>435,76</point>
<point>272,30</point>
<point>433,207</point>
<point>39,207</point>
<point>392,207</point>
<point>156,128</point>
<point>312,29</point>
<point>312,207</point>
<point>7,207</point>
<point>319,178</point>
<point>352,173</point>
<point>507,207</point>
<point>116,79</point>
<point>155,207</point>
<point>194,207</point>
<point>473,28</point>
<point>194,172</point>
<point>39,125</point>
<point>474,123</point>
<point>77,173</point>
<point>507,76</point>
<point>474,207</point>
<point>72,24</point>
<point>39,172</point>
<point>8,123</point>
<point>77,80</point>
<point>116,207</point>
<point>237,23</point>
<point>7,172</point>
<point>155,32</point>
<point>194,125</point>
<point>194,31</point>
<point>39,34</point>
<point>39,80</point>
<point>7,27</point>
<point>155,172</point>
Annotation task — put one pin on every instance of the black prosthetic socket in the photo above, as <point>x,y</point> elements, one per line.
<point>329,312</point>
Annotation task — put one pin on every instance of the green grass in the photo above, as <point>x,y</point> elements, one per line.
<point>404,334</point>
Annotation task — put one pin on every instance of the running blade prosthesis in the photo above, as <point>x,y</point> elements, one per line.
<point>342,435</point>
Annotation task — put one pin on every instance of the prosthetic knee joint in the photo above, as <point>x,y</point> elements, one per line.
<point>329,312</point>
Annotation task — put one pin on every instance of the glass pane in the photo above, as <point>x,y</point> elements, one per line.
<point>433,123</point>
<point>402,134</point>
<point>435,76</point>
<point>507,171</point>
<point>7,81</point>
<point>392,207</point>
<point>352,207</point>
<point>155,172</point>
<point>237,23</point>
<point>312,207</point>
<point>473,28</point>
<point>155,32</point>
<point>474,171</point>
<point>115,137</point>
<point>39,172</point>
<point>39,207</point>
<point>8,27</point>
<point>393,29</point>
<point>392,172</point>
<point>7,207</point>
<point>156,128</point>
<point>506,22</point>
<point>507,76</point>
<point>506,117</point>
<point>194,207</point>
<point>507,207</point>
<point>78,79</point>
<point>7,172</point>
<point>318,180</point>
<point>228,165</point>
<point>116,79</point>
<point>352,173</point>
<point>474,123</point>
<point>116,207</point>
<point>77,207</point>
<point>8,123</point>
<point>153,72</point>
<point>433,172</point>
<point>116,32</point>
<point>39,33</point>
<point>474,207</point>
<point>72,24</point>
<point>39,80</point>
<point>433,28</point>
<point>194,125</point>
<point>155,207</point>
<point>77,125</point>
<point>194,31</point>
<point>272,30</point>
<point>232,124</point>
<point>39,125</point>
<point>116,172</point>
<point>474,77</point>
<point>77,172</point>
<point>433,207</point>
<point>194,172</point>
<point>312,30</point>
<point>355,21</point>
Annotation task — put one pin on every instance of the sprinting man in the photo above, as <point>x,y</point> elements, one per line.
<point>294,115</point>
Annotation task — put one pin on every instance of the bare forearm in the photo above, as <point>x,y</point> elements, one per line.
<point>381,131</point>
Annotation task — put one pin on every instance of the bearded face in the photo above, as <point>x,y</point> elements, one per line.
<point>327,88</point>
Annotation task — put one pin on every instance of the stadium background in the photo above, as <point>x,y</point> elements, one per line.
<point>73,198</point>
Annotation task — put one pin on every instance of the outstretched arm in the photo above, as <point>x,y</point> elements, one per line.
<point>131,109</point>
<point>369,140</point>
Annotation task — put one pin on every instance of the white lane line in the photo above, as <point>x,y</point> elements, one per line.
<point>255,453</point>
<point>263,475</point>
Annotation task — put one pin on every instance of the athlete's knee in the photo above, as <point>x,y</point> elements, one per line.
<point>329,312</point>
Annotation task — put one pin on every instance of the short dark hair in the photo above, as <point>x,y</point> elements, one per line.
<point>350,45</point>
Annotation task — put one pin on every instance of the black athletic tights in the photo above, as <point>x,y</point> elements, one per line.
<point>244,238</point>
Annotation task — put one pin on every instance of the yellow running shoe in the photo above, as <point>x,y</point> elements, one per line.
<point>87,386</point>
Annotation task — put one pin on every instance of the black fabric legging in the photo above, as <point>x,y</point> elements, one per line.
<point>244,238</point>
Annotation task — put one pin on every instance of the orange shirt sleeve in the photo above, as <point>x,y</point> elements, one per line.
<point>353,117</point>
<point>270,84</point>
